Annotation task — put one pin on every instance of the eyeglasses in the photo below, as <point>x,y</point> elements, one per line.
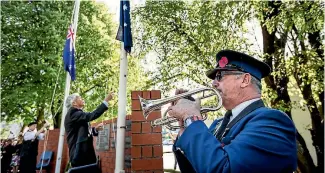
<point>221,74</point>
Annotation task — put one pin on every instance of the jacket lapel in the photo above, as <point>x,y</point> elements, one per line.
<point>250,108</point>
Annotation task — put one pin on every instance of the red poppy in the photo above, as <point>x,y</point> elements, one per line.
<point>223,62</point>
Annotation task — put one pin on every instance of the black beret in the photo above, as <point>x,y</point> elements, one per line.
<point>32,123</point>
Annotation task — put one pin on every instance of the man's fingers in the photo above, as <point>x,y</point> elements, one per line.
<point>172,111</point>
<point>180,91</point>
<point>198,103</point>
<point>169,111</point>
<point>110,96</point>
<point>180,122</point>
<point>182,101</point>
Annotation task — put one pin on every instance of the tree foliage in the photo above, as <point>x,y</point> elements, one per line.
<point>185,37</point>
<point>292,47</point>
<point>33,80</point>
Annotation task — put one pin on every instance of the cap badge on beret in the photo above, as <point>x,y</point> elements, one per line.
<point>223,62</point>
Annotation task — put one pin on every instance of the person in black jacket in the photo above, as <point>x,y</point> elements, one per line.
<point>7,151</point>
<point>79,132</point>
<point>15,161</point>
<point>29,149</point>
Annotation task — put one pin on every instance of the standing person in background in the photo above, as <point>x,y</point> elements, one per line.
<point>7,150</point>
<point>29,149</point>
<point>79,132</point>
<point>16,156</point>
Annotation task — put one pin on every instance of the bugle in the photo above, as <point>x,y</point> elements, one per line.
<point>150,105</point>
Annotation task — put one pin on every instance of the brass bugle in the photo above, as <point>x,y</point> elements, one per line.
<point>150,105</point>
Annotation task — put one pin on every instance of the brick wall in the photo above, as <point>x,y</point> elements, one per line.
<point>52,145</point>
<point>146,150</point>
<point>146,142</point>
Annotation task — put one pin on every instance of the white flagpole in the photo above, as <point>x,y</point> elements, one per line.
<point>120,127</point>
<point>66,94</point>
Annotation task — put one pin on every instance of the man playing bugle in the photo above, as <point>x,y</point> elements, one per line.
<point>251,138</point>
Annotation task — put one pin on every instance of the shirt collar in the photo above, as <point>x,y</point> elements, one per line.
<point>241,107</point>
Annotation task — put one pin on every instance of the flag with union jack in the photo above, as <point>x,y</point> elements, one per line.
<point>69,54</point>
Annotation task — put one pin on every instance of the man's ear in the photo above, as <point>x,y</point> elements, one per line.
<point>246,80</point>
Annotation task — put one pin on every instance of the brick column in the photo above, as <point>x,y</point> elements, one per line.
<point>146,150</point>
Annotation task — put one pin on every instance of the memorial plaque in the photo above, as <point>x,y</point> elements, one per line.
<point>102,142</point>
<point>127,124</point>
<point>127,142</point>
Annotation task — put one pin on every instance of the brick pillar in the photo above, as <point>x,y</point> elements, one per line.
<point>146,150</point>
<point>52,145</point>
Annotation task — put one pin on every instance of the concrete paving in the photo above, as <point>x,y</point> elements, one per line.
<point>169,159</point>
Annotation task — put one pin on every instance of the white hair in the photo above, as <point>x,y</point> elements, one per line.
<point>254,81</point>
<point>257,84</point>
<point>70,99</point>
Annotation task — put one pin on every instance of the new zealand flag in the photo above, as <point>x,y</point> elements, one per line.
<point>68,54</point>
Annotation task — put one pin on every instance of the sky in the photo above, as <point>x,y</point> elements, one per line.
<point>113,6</point>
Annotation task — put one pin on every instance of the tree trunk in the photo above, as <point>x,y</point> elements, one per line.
<point>40,116</point>
<point>303,81</point>
<point>315,42</point>
<point>305,161</point>
<point>317,132</point>
<point>321,109</point>
<point>279,82</point>
<point>57,119</point>
<point>56,114</point>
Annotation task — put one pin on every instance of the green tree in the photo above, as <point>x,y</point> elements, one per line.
<point>185,36</point>
<point>33,36</point>
<point>31,40</point>
<point>298,26</point>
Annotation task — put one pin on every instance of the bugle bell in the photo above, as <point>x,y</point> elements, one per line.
<point>150,105</point>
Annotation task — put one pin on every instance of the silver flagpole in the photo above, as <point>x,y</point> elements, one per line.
<point>66,94</point>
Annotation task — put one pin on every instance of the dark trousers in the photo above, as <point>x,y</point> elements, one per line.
<point>175,162</point>
<point>91,168</point>
<point>5,164</point>
<point>27,164</point>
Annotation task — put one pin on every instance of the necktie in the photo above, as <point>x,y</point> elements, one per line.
<point>223,126</point>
